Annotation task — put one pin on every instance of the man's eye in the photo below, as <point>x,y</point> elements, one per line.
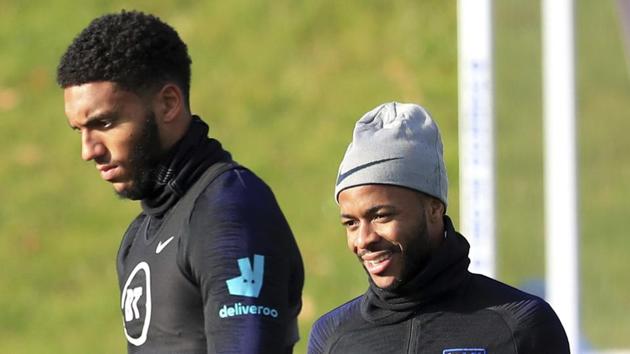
<point>381,217</point>
<point>348,223</point>
<point>106,124</point>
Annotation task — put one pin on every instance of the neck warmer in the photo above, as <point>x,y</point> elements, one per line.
<point>445,271</point>
<point>182,166</point>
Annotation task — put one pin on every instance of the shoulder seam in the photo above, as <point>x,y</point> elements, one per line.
<point>507,324</point>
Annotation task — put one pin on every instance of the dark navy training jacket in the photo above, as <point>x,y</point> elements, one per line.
<point>444,309</point>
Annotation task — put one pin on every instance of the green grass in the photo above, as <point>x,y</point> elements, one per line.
<point>281,85</point>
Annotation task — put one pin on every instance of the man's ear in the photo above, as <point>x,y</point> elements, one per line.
<point>169,103</point>
<point>435,209</point>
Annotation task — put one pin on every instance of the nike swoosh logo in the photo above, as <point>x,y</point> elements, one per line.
<point>161,245</point>
<point>347,174</point>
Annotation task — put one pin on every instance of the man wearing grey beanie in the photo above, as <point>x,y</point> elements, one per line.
<point>392,193</point>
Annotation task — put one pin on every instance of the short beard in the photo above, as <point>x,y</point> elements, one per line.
<point>417,254</point>
<point>143,161</point>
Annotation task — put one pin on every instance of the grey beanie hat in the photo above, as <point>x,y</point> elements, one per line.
<point>397,144</point>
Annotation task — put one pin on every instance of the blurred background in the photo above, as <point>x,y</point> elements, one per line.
<point>281,84</point>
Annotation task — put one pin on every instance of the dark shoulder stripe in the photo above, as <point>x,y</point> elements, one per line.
<point>326,326</point>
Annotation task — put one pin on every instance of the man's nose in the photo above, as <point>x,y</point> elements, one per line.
<point>91,147</point>
<point>366,235</point>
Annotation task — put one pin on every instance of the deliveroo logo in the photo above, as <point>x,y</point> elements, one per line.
<point>251,280</point>
<point>248,284</point>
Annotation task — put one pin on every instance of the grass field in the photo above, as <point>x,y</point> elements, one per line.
<point>281,84</point>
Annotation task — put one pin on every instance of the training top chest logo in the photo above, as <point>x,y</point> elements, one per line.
<point>464,351</point>
<point>135,303</point>
<point>250,281</point>
<point>161,245</point>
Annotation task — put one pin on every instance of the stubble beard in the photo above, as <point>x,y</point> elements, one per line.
<point>416,255</point>
<point>143,161</point>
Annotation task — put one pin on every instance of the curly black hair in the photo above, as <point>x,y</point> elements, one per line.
<point>135,50</point>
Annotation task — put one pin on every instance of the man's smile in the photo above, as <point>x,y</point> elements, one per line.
<point>378,262</point>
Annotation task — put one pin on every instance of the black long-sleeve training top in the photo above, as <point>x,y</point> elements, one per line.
<point>443,309</point>
<point>210,265</point>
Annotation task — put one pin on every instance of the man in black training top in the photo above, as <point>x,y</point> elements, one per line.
<point>391,191</point>
<point>210,265</point>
